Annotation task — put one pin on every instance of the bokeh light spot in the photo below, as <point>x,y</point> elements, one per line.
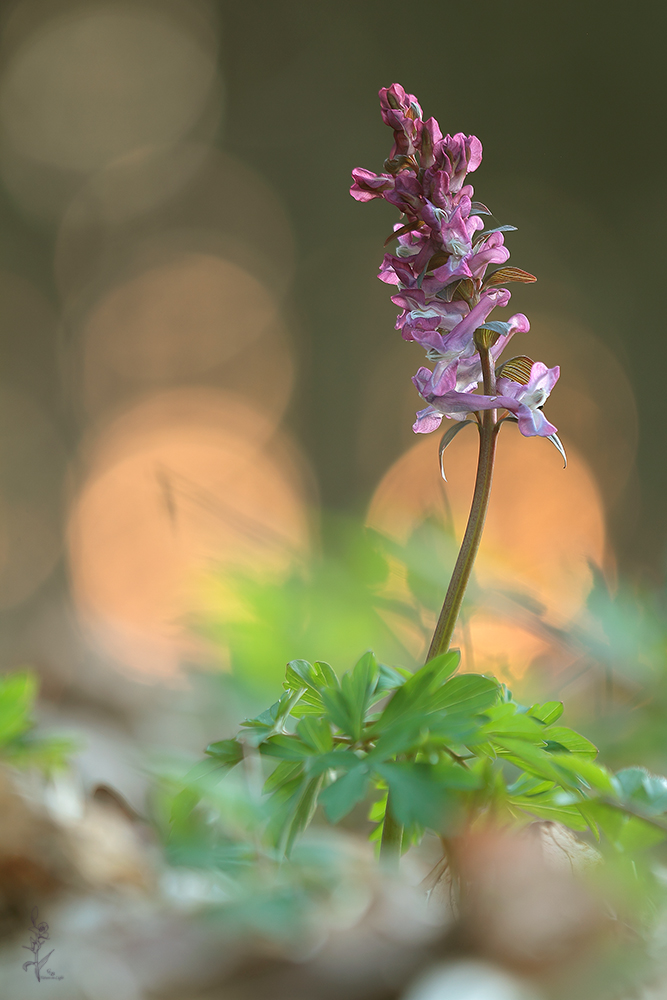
<point>176,485</point>
<point>92,85</point>
<point>180,319</point>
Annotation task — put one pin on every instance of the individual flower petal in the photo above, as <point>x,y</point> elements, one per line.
<point>368,185</point>
<point>406,194</point>
<point>401,111</point>
<point>489,251</point>
<point>464,154</point>
<point>431,136</point>
<point>427,420</point>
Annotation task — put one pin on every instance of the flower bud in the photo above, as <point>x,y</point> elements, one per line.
<point>484,338</point>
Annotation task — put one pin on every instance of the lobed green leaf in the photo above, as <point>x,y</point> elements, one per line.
<point>344,794</point>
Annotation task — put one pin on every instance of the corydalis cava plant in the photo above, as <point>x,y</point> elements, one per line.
<point>446,297</point>
<point>435,749</point>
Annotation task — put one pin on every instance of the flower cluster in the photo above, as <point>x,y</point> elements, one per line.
<point>439,270</point>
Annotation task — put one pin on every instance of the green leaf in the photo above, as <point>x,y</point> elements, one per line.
<point>414,697</point>
<point>326,675</point>
<point>404,735</point>
<point>655,787</point>
<point>590,773</point>
<point>347,706</point>
<point>648,791</point>
<point>310,703</point>
<point>47,753</point>
<point>457,729</point>
<point>359,686</point>
<point>560,737</point>
<point>389,680</point>
<point>546,808</point>
<point>292,805</point>
<point>285,747</point>
<point>337,760</point>
<point>315,733</point>
<point>337,709</point>
<point>630,781</point>
<point>528,784</point>
<point>305,804</point>
<point>300,674</point>
<point>227,752</point>
<point>626,833</point>
<point>504,720</point>
<point>256,731</point>
<point>308,680</point>
<point>548,713</point>
<point>377,810</point>
<point>286,771</point>
<point>534,760</point>
<point>455,777</point>
<point>471,693</point>
<point>638,835</point>
<point>415,794</point>
<point>341,796</point>
<point>17,695</point>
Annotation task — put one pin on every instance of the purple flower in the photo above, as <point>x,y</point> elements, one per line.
<point>421,317</point>
<point>529,399</point>
<point>469,372</point>
<point>525,401</point>
<point>489,251</point>
<point>368,185</point>
<point>463,155</point>
<point>431,138</point>
<point>403,114</point>
<point>438,270</point>
<point>459,342</point>
<point>461,375</point>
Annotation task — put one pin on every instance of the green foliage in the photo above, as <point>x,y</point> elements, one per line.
<point>226,833</point>
<point>18,744</point>
<point>442,751</point>
<point>330,605</point>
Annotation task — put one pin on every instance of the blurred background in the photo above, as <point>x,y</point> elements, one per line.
<point>207,465</point>
<point>202,396</point>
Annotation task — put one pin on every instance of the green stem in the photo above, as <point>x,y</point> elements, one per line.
<point>444,629</point>
<point>392,839</point>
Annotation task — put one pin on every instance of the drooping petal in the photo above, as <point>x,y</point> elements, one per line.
<point>368,185</point>
<point>532,421</point>
<point>428,419</point>
<point>422,380</point>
